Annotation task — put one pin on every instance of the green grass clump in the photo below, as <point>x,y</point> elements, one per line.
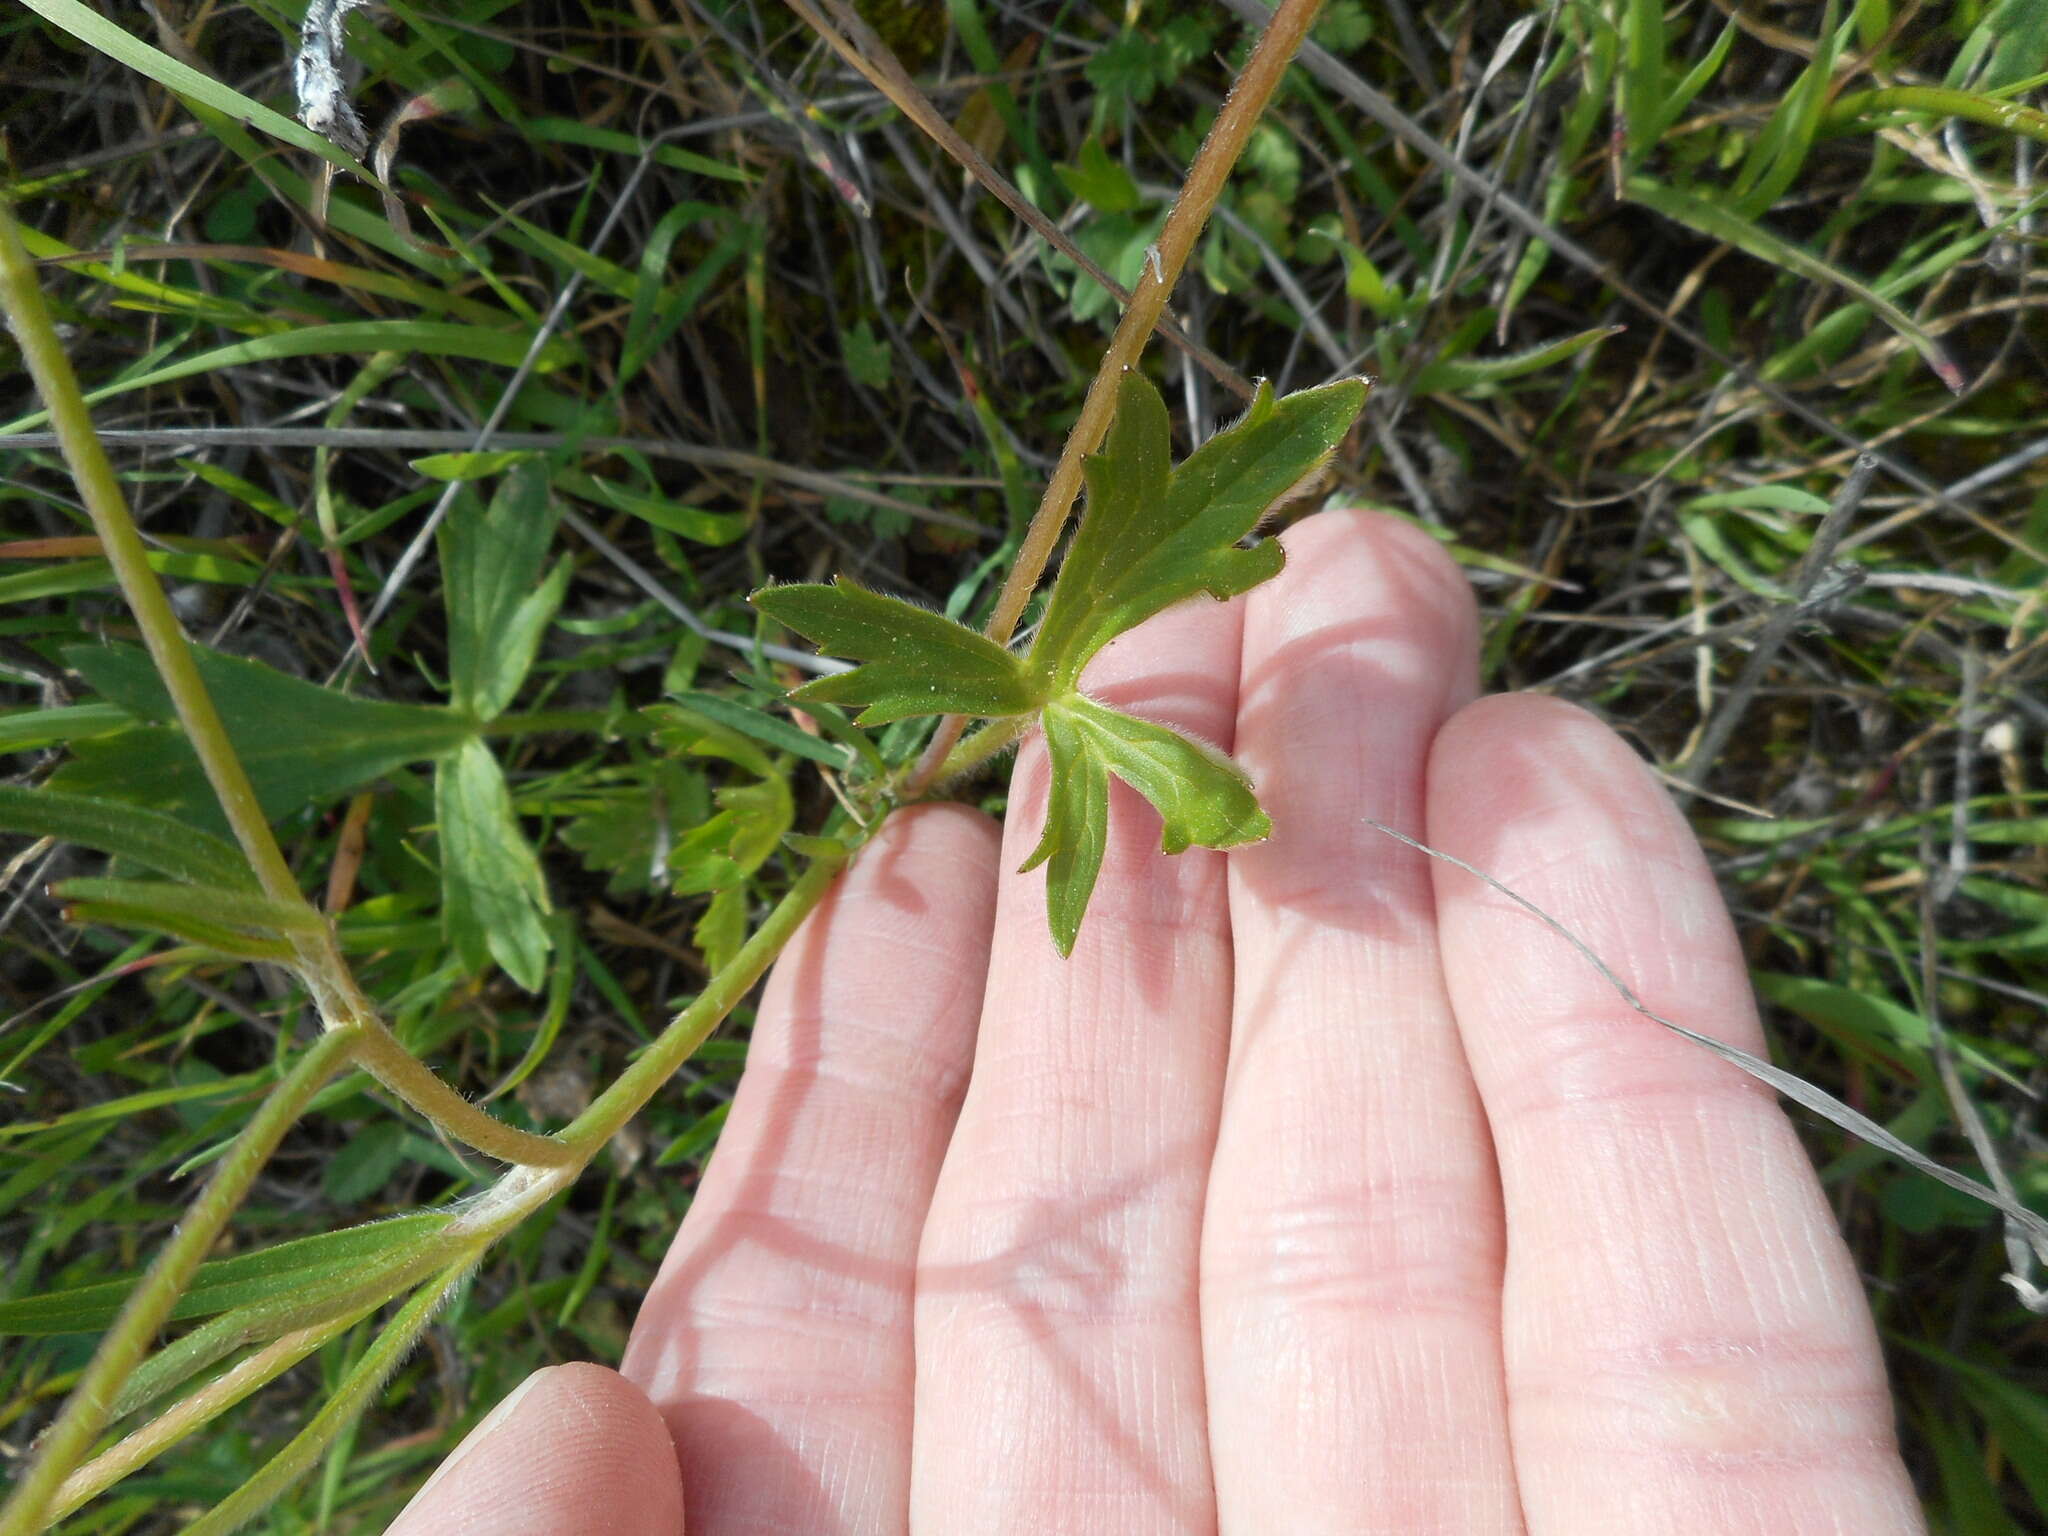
<point>1639,283</point>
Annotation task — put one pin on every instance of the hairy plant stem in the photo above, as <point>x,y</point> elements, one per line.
<point>1220,150</point>
<point>100,490</point>
<point>993,738</point>
<point>318,960</point>
<point>340,1002</point>
<point>450,1252</point>
<point>151,1440</point>
<point>637,1084</point>
<point>340,1410</point>
<point>85,1413</point>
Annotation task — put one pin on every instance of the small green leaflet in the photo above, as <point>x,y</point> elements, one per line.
<point>493,898</point>
<point>1076,830</point>
<point>499,604</point>
<point>916,662</point>
<point>1201,796</point>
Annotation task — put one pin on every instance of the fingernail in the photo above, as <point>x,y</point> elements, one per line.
<point>481,1433</point>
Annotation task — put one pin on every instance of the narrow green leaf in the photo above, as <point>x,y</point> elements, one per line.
<point>492,555</point>
<point>838,726</point>
<point>561,989</point>
<point>675,729</point>
<point>493,899</point>
<point>436,338</point>
<point>1464,375</point>
<point>23,730</point>
<point>1850,111</point>
<point>221,1284</point>
<point>174,901</point>
<point>2019,29</point>
<point>916,662</point>
<point>1697,79</point>
<point>221,938</point>
<point>1644,76</point>
<point>470,466</point>
<point>1202,797</point>
<point>1779,152</point>
<point>1076,829</point>
<point>1776,498</point>
<point>571,130</point>
<point>770,730</point>
<point>685,522</point>
<point>96,31</point>
<point>301,743</point>
<point>696,1140</point>
<point>1721,223</point>
<point>1153,536</point>
<point>148,838</point>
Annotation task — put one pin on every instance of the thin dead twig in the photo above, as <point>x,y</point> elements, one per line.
<point>1813,565</point>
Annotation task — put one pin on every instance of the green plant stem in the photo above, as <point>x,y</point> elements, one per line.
<point>1933,101</point>
<point>340,1410</point>
<point>413,1081</point>
<point>722,993</point>
<point>1226,139</point>
<point>320,964</point>
<point>85,1412</point>
<point>984,744</point>
<point>100,489</point>
<point>194,1412</point>
<point>382,1279</point>
<point>594,722</point>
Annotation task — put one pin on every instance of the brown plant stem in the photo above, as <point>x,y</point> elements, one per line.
<point>1212,165</point>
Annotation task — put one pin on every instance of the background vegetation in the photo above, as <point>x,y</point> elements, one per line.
<point>1695,261</point>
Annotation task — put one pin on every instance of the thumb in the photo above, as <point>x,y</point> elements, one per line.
<point>574,1449</point>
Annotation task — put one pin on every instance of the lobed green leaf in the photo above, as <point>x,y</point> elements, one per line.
<point>914,661</point>
<point>1203,798</point>
<point>1076,829</point>
<point>1154,535</point>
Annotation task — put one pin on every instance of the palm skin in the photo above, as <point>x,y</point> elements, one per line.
<point>1321,1190</point>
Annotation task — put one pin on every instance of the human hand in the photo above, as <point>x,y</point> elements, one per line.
<point>1322,1189</point>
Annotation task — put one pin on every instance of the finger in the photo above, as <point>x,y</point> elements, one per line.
<point>1352,1254</point>
<point>777,1338</point>
<point>573,1449</point>
<point>1059,1379</point>
<point>1687,1347</point>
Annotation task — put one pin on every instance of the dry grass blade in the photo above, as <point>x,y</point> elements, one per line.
<point>1797,1089</point>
